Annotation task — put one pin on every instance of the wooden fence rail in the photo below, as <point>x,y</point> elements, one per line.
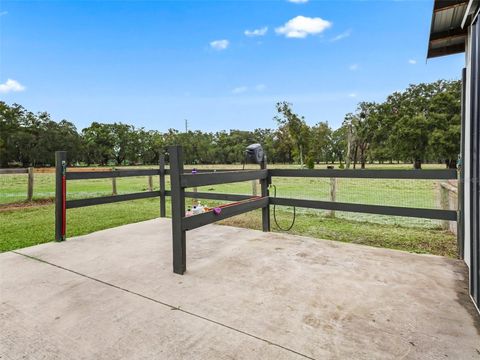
<point>78,173</point>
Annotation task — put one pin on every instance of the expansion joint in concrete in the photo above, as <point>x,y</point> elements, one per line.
<point>171,307</point>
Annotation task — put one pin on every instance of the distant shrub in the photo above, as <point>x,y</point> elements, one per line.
<point>310,163</point>
<point>341,166</point>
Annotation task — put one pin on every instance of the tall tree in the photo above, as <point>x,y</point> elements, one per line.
<point>296,127</point>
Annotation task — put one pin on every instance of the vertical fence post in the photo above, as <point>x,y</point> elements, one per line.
<point>264,188</point>
<point>194,200</point>
<point>333,193</point>
<point>30,184</point>
<point>150,183</point>
<point>114,184</point>
<point>444,202</point>
<point>254,187</point>
<point>161,163</point>
<point>178,209</point>
<point>60,195</point>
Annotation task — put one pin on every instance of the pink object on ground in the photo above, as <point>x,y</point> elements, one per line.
<point>217,210</point>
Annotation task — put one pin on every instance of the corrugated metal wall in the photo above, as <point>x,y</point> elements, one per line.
<point>474,161</point>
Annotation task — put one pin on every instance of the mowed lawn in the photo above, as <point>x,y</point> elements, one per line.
<point>33,225</point>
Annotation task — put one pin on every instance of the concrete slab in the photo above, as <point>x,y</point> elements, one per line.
<point>246,294</point>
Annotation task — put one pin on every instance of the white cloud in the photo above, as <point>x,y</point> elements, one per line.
<point>352,95</point>
<point>11,86</point>
<point>256,32</point>
<point>341,36</point>
<point>353,67</point>
<point>260,87</point>
<point>219,44</point>
<point>302,26</point>
<point>239,90</point>
<point>412,61</point>
<point>298,1</point>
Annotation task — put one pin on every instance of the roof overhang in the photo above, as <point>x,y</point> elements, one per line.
<point>447,35</point>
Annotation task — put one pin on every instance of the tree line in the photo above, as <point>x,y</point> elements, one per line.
<point>419,124</point>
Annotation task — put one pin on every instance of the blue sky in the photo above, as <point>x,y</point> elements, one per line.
<point>155,63</point>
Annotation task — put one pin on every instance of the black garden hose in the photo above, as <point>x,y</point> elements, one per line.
<point>275,213</point>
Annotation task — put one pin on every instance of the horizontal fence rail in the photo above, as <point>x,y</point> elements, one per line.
<point>369,209</point>
<point>87,175</point>
<point>193,222</point>
<point>211,196</point>
<point>442,174</point>
<point>215,178</point>
<point>13,171</point>
<point>72,204</point>
<point>215,196</point>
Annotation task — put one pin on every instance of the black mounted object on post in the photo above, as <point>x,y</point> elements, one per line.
<point>255,154</point>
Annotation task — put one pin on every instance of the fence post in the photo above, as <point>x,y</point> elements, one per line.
<point>60,195</point>
<point>194,200</point>
<point>178,209</point>
<point>150,183</point>
<point>30,184</point>
<point>264,188</point>
<point>254,187</point>
<point>114,184</point>
<point>444,202</point>
<point>333,193</point>
<point>161,163</point>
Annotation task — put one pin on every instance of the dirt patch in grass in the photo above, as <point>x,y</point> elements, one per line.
<point>26,204</point>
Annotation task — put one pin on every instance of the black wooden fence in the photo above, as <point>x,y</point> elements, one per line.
<point>180,180</point>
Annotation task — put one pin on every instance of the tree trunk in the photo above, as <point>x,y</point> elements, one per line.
<point>417,164</point>
<point>349,148</point>
<point>362,157</point>
<point>355,157</point>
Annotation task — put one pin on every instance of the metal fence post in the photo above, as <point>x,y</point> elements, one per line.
<point>161,163</point>
<point>60,195</point>
<point>178,209</point>
<point>264,188</point>
<point>30,184</point>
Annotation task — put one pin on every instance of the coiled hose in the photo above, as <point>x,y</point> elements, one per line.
<point>275,213</point>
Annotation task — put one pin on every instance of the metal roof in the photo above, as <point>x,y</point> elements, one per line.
<point>447,36</point>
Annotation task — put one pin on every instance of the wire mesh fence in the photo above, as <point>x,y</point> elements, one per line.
<point>410,193</point>
<point>415,193</point>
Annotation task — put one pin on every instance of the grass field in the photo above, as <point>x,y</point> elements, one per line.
<point>27,226</point>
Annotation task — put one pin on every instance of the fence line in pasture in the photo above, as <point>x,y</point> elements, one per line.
<point>29,171</point>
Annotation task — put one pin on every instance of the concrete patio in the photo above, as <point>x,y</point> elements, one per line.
<point>246,295</point>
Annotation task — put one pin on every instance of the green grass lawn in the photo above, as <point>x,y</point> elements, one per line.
<point>33,225</point>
